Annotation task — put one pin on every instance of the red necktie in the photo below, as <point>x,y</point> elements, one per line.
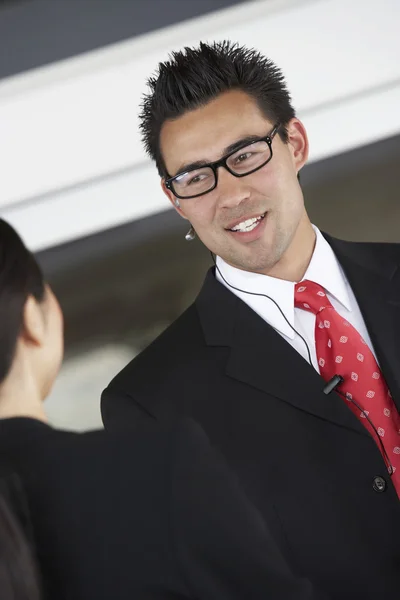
<point>342,351</point>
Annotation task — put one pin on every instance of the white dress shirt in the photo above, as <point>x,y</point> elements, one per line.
<point>323,269</point>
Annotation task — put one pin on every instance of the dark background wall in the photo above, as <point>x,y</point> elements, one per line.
<point>34,33</point>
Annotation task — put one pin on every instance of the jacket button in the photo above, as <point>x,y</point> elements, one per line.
<point>379,484</point>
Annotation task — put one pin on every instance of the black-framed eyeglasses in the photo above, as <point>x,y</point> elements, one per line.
<point>243,161</point>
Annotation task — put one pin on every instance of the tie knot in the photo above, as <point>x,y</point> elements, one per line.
<point>310,296</point>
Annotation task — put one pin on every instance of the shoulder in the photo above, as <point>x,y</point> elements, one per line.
<point>384,250</point>
<point>91,492</point>
<point>54,460</point>
<point>177,344</point>
<point>154,442</point>
<point>382,255</point>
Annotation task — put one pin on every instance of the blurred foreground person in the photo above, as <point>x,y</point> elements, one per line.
<point>154,515</point>
<point>18,576</point>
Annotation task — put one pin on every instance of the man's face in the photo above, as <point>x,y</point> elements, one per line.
<point>272,194</point>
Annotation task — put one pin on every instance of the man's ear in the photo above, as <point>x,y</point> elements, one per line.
<point>173,199</point>
<point>298,141</point>
<point>33,330</point>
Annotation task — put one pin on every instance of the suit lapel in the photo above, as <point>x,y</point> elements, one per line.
<point>262,359</point>
<point>376,286</point>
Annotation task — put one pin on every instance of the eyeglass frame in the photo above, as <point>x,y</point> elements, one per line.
<point>222,162</point>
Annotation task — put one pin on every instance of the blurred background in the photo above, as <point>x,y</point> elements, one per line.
<point>78,187</point>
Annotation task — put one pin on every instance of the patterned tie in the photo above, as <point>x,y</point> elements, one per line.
<point>342,351</point>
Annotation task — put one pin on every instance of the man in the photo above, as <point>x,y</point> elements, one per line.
<point>290,355</point>
<point>114,516</point>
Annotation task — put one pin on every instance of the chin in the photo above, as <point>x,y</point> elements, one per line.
<point>256,264</point>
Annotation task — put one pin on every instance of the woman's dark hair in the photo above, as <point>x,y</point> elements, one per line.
<point>20,277</point>
<point>195,76</point>
<point>18,573</point>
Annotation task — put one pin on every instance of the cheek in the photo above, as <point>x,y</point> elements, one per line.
<point>200,211</point>
<point>58,327</point>
<point>265,181</point>
<point>60,318</point>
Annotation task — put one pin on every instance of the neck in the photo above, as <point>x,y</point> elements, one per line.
<point>294,263</point>
<point>19,397</point>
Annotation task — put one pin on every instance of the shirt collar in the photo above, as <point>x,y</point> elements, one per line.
<point>324,269</point>
<point>252,288</point>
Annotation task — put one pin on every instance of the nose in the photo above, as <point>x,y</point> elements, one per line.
<point>232,190</point>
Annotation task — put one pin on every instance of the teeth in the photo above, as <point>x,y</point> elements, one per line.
<point>247,225</point>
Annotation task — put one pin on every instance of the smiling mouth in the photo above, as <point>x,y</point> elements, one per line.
<point>248,225</point>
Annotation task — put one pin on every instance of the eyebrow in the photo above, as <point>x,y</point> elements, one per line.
<point>228,150</point>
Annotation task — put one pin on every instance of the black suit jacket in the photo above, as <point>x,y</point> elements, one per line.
<point>303,457</point>
<point>156,515</point>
